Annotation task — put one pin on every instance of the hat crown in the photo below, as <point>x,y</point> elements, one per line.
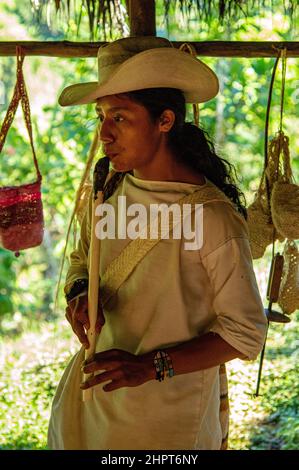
<point>140,62</point>
<point>112,55</point>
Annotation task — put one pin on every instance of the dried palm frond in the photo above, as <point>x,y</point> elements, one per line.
<point>103,14</point>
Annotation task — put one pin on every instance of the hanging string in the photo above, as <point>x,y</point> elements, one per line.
<point>283,78</point>
<point>267,128</point>
<point>191,50</point>
<point>20,94</point>
<point>23,95</point>
<point>282,55</point>
<point>280,133</point>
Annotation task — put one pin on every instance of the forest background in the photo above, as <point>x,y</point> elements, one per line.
<point>36,341</point>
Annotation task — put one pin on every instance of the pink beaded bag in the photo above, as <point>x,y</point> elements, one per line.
<point>21,210</point>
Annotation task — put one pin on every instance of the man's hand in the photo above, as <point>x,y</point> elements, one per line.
<point>121,368</point>
<point>77,315</point>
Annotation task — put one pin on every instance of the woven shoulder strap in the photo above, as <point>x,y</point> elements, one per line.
<point>123,265</point>
<point>20,93</point>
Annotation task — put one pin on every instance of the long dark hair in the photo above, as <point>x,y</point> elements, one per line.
<point>190,144</point>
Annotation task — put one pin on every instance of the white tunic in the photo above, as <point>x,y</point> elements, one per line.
<point>173,295</point>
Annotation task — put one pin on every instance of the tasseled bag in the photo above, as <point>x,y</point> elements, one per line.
<point>21,210</point>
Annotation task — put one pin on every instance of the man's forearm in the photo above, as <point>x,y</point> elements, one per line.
<point>124,369</point>
<point>199,353</point>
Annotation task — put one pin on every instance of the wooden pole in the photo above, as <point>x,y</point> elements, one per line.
<point>142,17</point>
<point>205,48</point>
<point>99,178</point>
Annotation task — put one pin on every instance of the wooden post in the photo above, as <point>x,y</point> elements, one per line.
<point>142,16</point>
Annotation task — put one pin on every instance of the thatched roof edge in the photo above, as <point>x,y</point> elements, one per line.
<point>102,14</point>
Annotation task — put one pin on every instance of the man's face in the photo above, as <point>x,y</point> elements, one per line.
<point>128,136</point>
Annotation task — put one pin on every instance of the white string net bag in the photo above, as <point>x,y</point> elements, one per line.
<point>262,232</point>
<point>288,298</point>
<point>285,194</point>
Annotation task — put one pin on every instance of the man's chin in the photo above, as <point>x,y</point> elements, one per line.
<point>119,166</point>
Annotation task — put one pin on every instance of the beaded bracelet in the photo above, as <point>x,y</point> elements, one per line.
<point>163,365</point>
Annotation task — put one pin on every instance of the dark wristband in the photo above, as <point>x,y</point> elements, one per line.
<point>79,286</point>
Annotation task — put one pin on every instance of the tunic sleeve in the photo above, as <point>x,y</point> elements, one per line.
<point>78,268</point>
<point>240,318</point>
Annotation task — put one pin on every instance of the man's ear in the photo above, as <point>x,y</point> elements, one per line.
<point>166,120</point>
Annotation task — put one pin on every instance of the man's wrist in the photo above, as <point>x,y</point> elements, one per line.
<point>81,294</point>
<point>148,363</point>
<point>79,286</point>
<point>163,365</point>
<point>158,359</point>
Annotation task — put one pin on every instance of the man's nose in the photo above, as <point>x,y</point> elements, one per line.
<point>105,133</point>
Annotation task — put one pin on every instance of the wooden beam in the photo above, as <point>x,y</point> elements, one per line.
<point>142,17</point>
<point>209,49</point>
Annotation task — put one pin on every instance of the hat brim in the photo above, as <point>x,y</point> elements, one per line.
<point>154,68</point>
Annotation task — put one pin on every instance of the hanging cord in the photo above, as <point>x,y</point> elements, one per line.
<point>20,94</point>
<point>280,132</point>
<point>25,103</point>
<point>283,78</point>
<point>277,260</point>
<point>191,50</point>
<point>282,54</point>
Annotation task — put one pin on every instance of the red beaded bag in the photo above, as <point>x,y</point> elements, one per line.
<point>21,210</point>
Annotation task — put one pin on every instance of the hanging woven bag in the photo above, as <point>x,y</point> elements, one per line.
<point>285,196</point>
<point>261,229</point>
<point>21,210</point>
<point>288,299</point>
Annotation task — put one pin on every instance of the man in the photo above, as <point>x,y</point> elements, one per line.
<point>178,314</point>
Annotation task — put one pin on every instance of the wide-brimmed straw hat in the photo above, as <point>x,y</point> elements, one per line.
<point>136,63</point>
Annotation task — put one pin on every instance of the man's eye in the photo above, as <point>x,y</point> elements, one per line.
<point>116,118</point>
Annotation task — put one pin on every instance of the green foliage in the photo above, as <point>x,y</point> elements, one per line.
<point>269,421</point>
<point>31,367</point>
<point>33,364</point>
<point>7,281</point>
